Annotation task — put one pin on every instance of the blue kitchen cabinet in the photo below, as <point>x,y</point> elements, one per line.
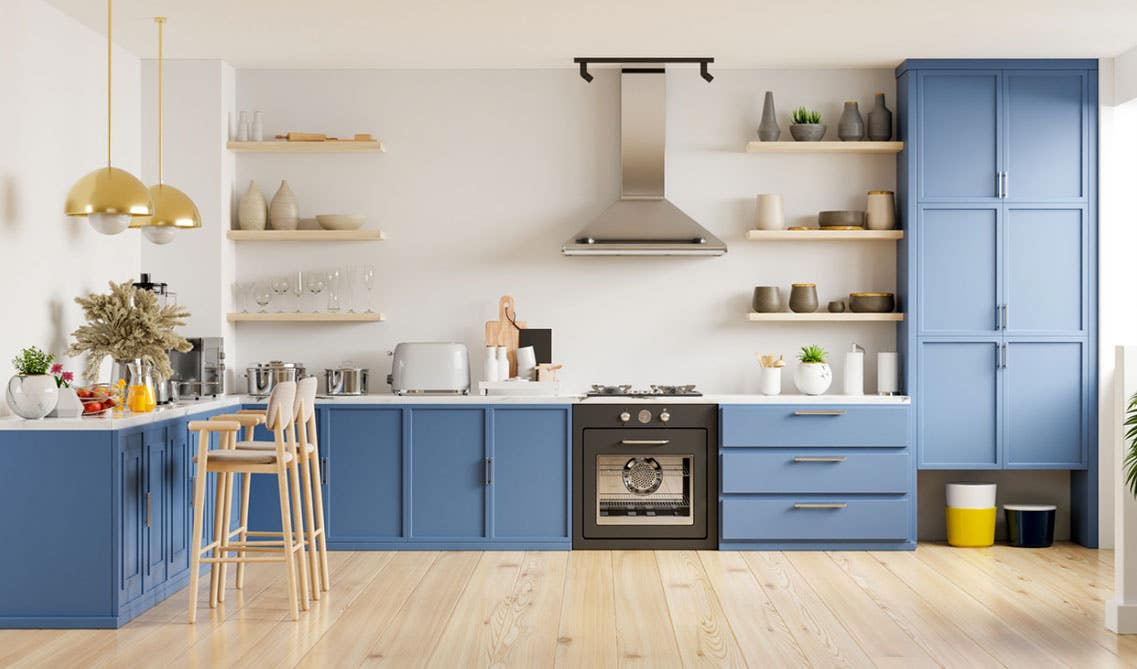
<point>1046,274</point>
<point>179,498</point>
<point>156,489</point>
<point>959,134</point>
<point>363,474</point>
<point>959,422</point>
<point>1047,152</point>
<point>1045,405</point>
<point>530,474</point>
<point>450,474</point>
<point>950,301</point>
<point>132,549</point>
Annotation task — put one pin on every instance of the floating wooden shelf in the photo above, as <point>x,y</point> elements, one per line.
<point>305,317</point>
<point>824,147</point>
<point>305,235</point>
<point>338,146</point>
<point>823,235</point>
<point>824,316</point>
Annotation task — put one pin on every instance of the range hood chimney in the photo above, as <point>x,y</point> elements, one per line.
<point>643,222</point>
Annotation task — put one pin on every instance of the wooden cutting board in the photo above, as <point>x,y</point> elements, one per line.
<point>503,332</point>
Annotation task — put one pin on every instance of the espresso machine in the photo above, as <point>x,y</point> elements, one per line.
<point>199,372</point>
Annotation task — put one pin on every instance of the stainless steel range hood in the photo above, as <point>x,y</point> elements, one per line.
<point>643,221</point>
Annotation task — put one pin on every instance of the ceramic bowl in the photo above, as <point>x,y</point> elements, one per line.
<point>872,303</point>
<point>340,221</point>
<point>841,217</point>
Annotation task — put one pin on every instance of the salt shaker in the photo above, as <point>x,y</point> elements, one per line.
<point>502,363</point>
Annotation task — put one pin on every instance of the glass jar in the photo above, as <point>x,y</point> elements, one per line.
<point>140,393</point>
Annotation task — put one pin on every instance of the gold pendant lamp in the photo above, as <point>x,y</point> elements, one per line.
<point>108,197</point>
<point>173,209</point>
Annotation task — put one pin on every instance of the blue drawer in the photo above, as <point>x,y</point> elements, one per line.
<point>814,425</point>
<point>792,518</point>
<point>815,471</point>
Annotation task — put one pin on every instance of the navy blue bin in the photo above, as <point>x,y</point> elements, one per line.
<point>1030,525</point>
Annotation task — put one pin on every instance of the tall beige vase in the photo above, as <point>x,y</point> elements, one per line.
<point>284,214</point>
<point>251,209</point>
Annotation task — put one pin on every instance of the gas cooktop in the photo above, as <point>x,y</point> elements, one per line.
<point>651,391</point>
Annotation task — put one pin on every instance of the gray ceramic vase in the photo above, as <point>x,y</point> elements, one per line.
<point>851,127</point>
<point>807,132</point>
<point>768,130</point>
<point>880,121</point>
<point>803,298</point>
<point>767,300</point>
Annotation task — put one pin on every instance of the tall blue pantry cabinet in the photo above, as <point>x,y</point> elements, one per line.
<point>997,185</point>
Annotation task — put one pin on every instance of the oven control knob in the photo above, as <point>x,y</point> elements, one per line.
<point>644,416</point>
<point>625,417</point>
<point>664,416</point>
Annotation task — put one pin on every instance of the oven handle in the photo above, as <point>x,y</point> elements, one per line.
<point>819,505</point>
<point>645,442</point>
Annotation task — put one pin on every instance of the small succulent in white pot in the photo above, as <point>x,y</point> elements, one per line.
<point>807,125</point>
<point>32,392</point>
<point>813,376</point>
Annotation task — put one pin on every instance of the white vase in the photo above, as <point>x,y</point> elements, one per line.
<point>69,404</point>
<point>258,131</point>
<point>813,378</point>
<point>32,397</point>
<point>283,214</point>
<point>251,209</point>
<point>243,127</point>
<point>771,381</point>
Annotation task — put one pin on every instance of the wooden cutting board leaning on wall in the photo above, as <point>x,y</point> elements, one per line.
<point>505,330</point>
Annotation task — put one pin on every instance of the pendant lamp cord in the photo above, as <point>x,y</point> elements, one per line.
<point>108,84</point>
<point>161,21</point>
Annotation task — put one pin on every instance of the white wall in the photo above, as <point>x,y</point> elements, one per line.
<point>53,74</point>
<point>488,172</point>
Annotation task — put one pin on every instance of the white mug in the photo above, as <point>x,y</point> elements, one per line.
<point>526,362</point>
<point>768,215</point>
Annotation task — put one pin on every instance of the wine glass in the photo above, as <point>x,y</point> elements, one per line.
<point>367,274</point>
<point>280,289</point>
<point>297,286</point>
<point>350,272</point>
<point>316,282</point>
<point>262,291</point>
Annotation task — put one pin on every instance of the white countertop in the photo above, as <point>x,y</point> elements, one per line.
<point>121,422</point>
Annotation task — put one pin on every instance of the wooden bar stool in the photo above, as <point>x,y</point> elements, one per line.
<point>228,460</point>
<point>307,449</point>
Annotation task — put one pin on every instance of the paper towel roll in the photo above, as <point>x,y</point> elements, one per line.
<point>855,372</point>
<point>887,373</point>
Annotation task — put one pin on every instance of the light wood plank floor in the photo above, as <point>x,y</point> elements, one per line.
<point>938,606</point>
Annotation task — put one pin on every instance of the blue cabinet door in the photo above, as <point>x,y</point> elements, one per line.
<point>1045,271</point>
<point>957,408</point>
<point>364,474</point>
<point>959,154</point>
<point>1047,135</point>
<point>449,474</point>
<point>530,473</point>
<point>1045,405</point>
<point>958,271</point>
<point>154,507</point>
<point>178,499</point>
<point>133,491</point>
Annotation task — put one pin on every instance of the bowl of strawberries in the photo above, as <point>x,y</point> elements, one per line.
<point>97,400</point>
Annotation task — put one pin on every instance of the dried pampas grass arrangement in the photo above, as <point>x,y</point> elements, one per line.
<point>126,325</point>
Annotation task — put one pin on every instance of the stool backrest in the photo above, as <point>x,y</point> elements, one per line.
<point>305,404</point>
<point>279,413</point>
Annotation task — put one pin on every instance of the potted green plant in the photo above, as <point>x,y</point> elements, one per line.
<point>32,392</point>
<point>813,376</point>
<point>807,125</point>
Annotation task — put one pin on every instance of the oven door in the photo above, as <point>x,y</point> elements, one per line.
<point>644,483</point>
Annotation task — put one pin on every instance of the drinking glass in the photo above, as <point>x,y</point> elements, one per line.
<point>263,294</point>
<point>239,301</point>
<point>297,285</point>
<point>280,289</point>
<point>316,282</point>
<point>333,290</point>
<point>347,285</point>
<point>367,274</point>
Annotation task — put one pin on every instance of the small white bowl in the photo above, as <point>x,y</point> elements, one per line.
<point>340,221</point>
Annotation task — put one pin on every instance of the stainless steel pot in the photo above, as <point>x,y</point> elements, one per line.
<point>262,378</point>
<point>346,380</point>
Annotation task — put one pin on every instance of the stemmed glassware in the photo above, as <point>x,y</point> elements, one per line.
<point>315,282</point>
<point>367,275</point>
<point>262,291</point>
<point>280,289</point>
<point>297,286</point>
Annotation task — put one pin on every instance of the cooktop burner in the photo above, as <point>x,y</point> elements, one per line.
<point>651,391</point>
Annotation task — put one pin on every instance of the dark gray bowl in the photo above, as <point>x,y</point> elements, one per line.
<point>842,217</point>
<point>807,132</point>
<point>872,303</point>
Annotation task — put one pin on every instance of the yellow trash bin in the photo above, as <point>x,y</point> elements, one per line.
<point>971,514</point>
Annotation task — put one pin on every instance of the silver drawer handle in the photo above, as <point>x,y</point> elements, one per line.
<point>818,505</point>
<point>840,412</point>
<point>645,442</point>
<point>818,458</point>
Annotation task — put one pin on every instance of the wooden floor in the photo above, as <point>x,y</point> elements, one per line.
<point>936,607</point>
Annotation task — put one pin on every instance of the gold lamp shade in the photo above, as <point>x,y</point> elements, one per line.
<point>172,209</point>
<point>108,190</point>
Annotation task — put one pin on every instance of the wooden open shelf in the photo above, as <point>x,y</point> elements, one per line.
<point>281,146</point>
<point>306,235</point>
<point>823,235</point>
<point>824,316</point>
<point>305,317</point>
<point>824,147</point>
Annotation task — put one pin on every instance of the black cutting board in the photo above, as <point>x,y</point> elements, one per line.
<point>540,339</point>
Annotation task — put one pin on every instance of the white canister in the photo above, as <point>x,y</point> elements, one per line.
<point>502,363</point>
<point>526,362</point>
<point>855,371</point>
<point>768,214</point>
<point>243,126</point>
<point>880,210</point>
<point>971,495</point>
<point>258,130</point>
<point>489,365</point>
<point>771,381</point>
<point>887,373</point>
